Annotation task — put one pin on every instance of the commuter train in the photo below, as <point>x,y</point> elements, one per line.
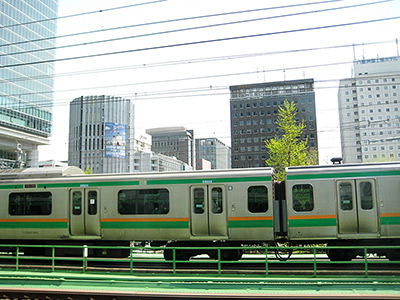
<point>336,205</point>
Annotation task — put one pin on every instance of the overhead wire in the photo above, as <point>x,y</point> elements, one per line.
<point>88,43</point>
<point>201,42</point>
<point>80,14</point>
<point>193,61</point>
<point>165,21</point>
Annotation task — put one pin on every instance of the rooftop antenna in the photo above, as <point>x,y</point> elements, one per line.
<point>363,51</point>
<point>284,73</point>
<point>397,46</point>
<point>354,52</point>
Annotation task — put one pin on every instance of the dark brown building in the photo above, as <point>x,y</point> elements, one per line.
<point>254,111</point>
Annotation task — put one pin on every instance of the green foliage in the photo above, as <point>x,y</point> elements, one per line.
<point>289,149</point>
<point>88,170</point>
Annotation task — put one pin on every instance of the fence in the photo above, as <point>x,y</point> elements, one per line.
<point>310,261</point>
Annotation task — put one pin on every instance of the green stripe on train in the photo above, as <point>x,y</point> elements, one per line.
<point>11,187</point>
<point>33,225</point>
<point>343,175</point>
<point>87,184</point>
<point>312,222</point>
<point>208,181</point>
<point>145,225</point>
<point>390,220</point>
<point>251,224</point>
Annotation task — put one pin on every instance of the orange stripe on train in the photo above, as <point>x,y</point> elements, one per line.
<point>312,217</point>
<point>33,220</point>
<point>147,220</point>
<point>250,218</point>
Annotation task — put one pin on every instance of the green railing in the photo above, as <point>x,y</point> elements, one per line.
<point>310,261</point>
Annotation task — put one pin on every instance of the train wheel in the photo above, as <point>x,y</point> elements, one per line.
<point>282,253</point>
<point>231,255</point>
<point>340,255</point>
<point>393,255</point>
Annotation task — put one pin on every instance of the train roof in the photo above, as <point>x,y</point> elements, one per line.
<point>48,172</point>
<point>345,170</point>
<point>73,174</point>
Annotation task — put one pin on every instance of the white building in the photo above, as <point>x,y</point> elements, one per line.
<point>369,111</point>
<point>101,134</point>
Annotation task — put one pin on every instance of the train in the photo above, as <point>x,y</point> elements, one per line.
<point>333,205</point>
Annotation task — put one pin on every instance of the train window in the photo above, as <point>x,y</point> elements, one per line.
<point>92,203</point>
<point>346,196</point>
<point>76,203</point>
<point>216,194</point>
<point>257,199</point>
<point>366,195</point>
<point>30,204</point>
<point>198,201</point>
<point>143,202</point>
<point>303,197</point>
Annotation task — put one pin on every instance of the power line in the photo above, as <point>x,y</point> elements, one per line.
<point>202,42</point>
<point>195,60</point>
<point>168,21</point>
<point>80,14</point>
<point>194,28</point>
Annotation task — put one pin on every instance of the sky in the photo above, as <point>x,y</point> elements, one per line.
<point>177,58</point>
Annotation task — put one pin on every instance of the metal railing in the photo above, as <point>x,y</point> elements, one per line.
<point>310,261</point>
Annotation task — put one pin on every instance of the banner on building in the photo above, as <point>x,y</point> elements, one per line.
<point>115,140</point>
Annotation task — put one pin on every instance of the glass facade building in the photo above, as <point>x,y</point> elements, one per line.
<point>27,51</point>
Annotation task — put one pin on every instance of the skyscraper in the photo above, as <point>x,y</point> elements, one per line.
<point>27,30</point>
<point>369,111</point>
<point>254,111</point>
<point>101,134</point>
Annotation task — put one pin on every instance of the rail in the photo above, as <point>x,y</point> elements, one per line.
<point>312,261</point>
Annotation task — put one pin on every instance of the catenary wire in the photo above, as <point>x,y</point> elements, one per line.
<point>87,43</point>
<point>167,21</point>
<point>203,42</point>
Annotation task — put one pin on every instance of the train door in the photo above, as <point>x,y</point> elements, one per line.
<point>208,211</point>
<point>84,216</point>
<point>357,206</point>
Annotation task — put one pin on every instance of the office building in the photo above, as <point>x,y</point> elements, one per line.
<point>214,151</point>
<point>28,28</point>
<point>101,134</point>
<point>254,112</point>
<point>369,111</point>
<point>156,162</point>
<point>175,142</point>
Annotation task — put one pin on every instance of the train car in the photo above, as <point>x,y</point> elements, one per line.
<point>344,205</point>
<point>203,208</point>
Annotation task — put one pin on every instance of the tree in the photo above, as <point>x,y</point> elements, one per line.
<point>289,149</point>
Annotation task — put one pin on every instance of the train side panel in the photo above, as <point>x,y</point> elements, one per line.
<point>38,214</point>
<point>311,209</point>
<point>344,202</point>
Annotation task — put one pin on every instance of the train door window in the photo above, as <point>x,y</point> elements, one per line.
<point>76,203</point>
<point>92,203</point>
<point>216,195</point>
<point>30,204</point>
<point>303,197</point>
<point>366,195</point>
<point>198,200</point>
<point>346,196</point>
<point>257,199</point>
